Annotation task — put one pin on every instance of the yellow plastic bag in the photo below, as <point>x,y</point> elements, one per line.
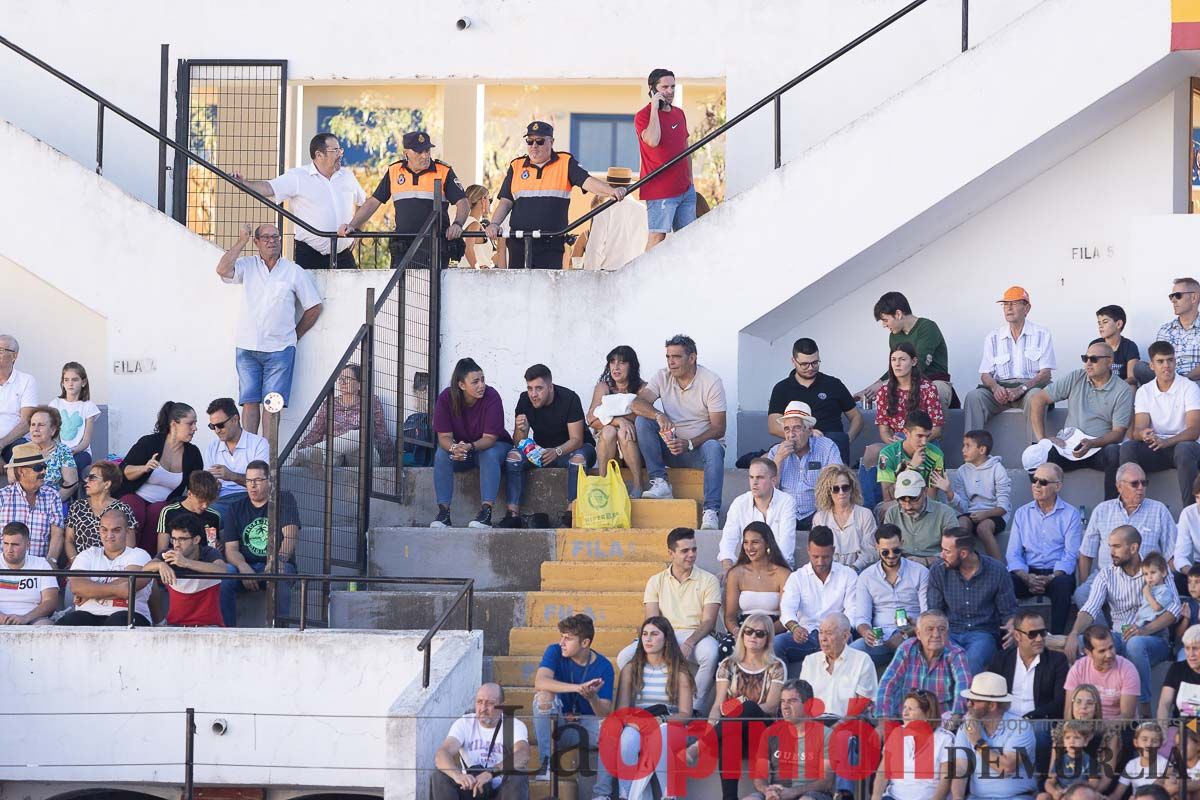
<point>603,500</point>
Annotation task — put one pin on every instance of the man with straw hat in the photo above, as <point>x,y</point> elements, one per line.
<point>618,234</point>
<point>994,748</point>
<point>27,499</point>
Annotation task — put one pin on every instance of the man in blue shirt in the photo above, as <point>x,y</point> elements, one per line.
<point>573,684</point>
<point>994,748</point>
<point>1044,544</point>
<point>976,595</point>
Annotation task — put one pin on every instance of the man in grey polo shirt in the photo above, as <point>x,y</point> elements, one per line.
<point>1099,405</point>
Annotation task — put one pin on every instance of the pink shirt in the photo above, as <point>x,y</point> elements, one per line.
<point>1121,679</point>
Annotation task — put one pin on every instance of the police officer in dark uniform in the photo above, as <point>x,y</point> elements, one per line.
<point>409,185</point>
<point>537,190</point>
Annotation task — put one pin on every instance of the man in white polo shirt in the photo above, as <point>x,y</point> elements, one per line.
<point>267,330</point>
<point>816,589</point>
<point>18,397</point>
<point>838,673</point>
<point>227,457</point>
<point>322,194</point>
<point>24,599</point>
<point>1166,422</point>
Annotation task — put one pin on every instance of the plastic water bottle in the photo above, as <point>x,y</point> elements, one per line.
<point>1083,515</point>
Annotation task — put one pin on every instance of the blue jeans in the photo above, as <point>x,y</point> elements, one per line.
<point>881,654</point>
<point>791,653</point>
<point>671,213</point>
<point>231,589</point>
<point>543,722</point>
<point>1143,651</point>
<point>486,461</point>
<point>261,373</point>
<point>980,647</point>
<point>631,745</point>
<point>515,472</point>
<point>709,456</point>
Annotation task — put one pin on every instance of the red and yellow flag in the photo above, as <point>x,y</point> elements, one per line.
<point>1185,24</point>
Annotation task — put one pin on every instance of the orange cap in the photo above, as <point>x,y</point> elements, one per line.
<point>1013,294</point>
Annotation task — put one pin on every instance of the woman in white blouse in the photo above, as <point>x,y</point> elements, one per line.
<point>839,507</point>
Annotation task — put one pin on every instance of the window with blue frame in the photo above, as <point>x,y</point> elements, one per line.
<point>600,141</point>
<point>356,154</point>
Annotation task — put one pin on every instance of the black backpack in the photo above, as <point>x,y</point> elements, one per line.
<point>417,429</point>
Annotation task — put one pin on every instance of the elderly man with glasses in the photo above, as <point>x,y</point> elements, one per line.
<point>1099,406</point>
<point>1131,507</point>
<point>30,501</point>
<point>1044,545</point>
<point>267,330</point>
<point>18,398</point>
<point>324,195</point>
<point>537,190</point>
<point>1166,421</point>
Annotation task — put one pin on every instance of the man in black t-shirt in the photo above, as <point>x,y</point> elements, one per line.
<point>826,396</point>
<point>553,417</point>
<point>246,540</point>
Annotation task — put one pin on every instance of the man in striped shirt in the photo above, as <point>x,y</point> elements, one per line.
<point>1121,587</point>
<point>1016,358</point>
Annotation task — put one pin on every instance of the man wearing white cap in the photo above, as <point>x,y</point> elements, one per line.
<point>800,458</point>
<point>1017,358</point>
<point>920,519</point>
<point>994,747</point>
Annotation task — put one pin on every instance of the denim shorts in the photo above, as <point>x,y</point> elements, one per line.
<point>671,213</point>
<point>261,373</point>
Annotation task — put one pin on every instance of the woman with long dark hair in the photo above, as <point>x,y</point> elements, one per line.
<point>468,420</point>
<point>657,680</point>
<point>616,436</point>
<point>755,583</point>
<point>156,469</point>
<point>906,390</point>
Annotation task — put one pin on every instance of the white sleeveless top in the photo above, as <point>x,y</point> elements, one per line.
<point>758,603</point>
<point>485,251</point>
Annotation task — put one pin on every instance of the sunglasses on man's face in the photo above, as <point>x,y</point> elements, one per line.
<point>532,142</point>
<point>1093,359</point>
<point>1038,633</point>
<point>217,426</point>
<point>891,551</point>
<point>1041,481</point>
<point>1177,295</point>
<point>1138,484</point>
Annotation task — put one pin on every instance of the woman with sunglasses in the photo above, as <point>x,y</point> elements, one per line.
<point>83,518</point>
<point>156,469</point>
<point>839,507</point>
<point>657,680</point>
<point>906,390</point>
<point>755,583</point>
<point>922,741</point>
<point>480,252</point>
<point>749,683</point>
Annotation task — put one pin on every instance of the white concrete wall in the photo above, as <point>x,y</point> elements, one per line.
<point>848,210</point>
<point>310,708</point>
<point>1100,200</point>
<point>756,47</point>
<point>147,286</point>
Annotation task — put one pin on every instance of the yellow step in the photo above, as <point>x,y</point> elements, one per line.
<point>678,513</point>
<point>533,641</point>
<point>522,697</point>
<point>612,544</point>
<point>588,576</point>
<point>682,476</point>
<point>516,670</point>
<point>607,609</point>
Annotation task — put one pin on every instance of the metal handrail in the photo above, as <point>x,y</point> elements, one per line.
<point>772,98</point>
<point>467,591</point>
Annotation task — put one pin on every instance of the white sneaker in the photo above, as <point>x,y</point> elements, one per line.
<point>659,490</point>
<point>709,520</point>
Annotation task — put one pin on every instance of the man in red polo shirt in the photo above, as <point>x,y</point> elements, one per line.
<point>662,134</point>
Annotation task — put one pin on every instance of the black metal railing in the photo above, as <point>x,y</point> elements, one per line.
<point>465,593</point>
<point>774,99</point>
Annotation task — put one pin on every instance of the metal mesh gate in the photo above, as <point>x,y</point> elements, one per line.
<point>232,113</point>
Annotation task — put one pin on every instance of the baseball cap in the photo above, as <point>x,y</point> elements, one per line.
<point>417,140</point>
<point>1014,294</point>
<point>539,128</point>
<point>909,484</point>
<point>798,409</point>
